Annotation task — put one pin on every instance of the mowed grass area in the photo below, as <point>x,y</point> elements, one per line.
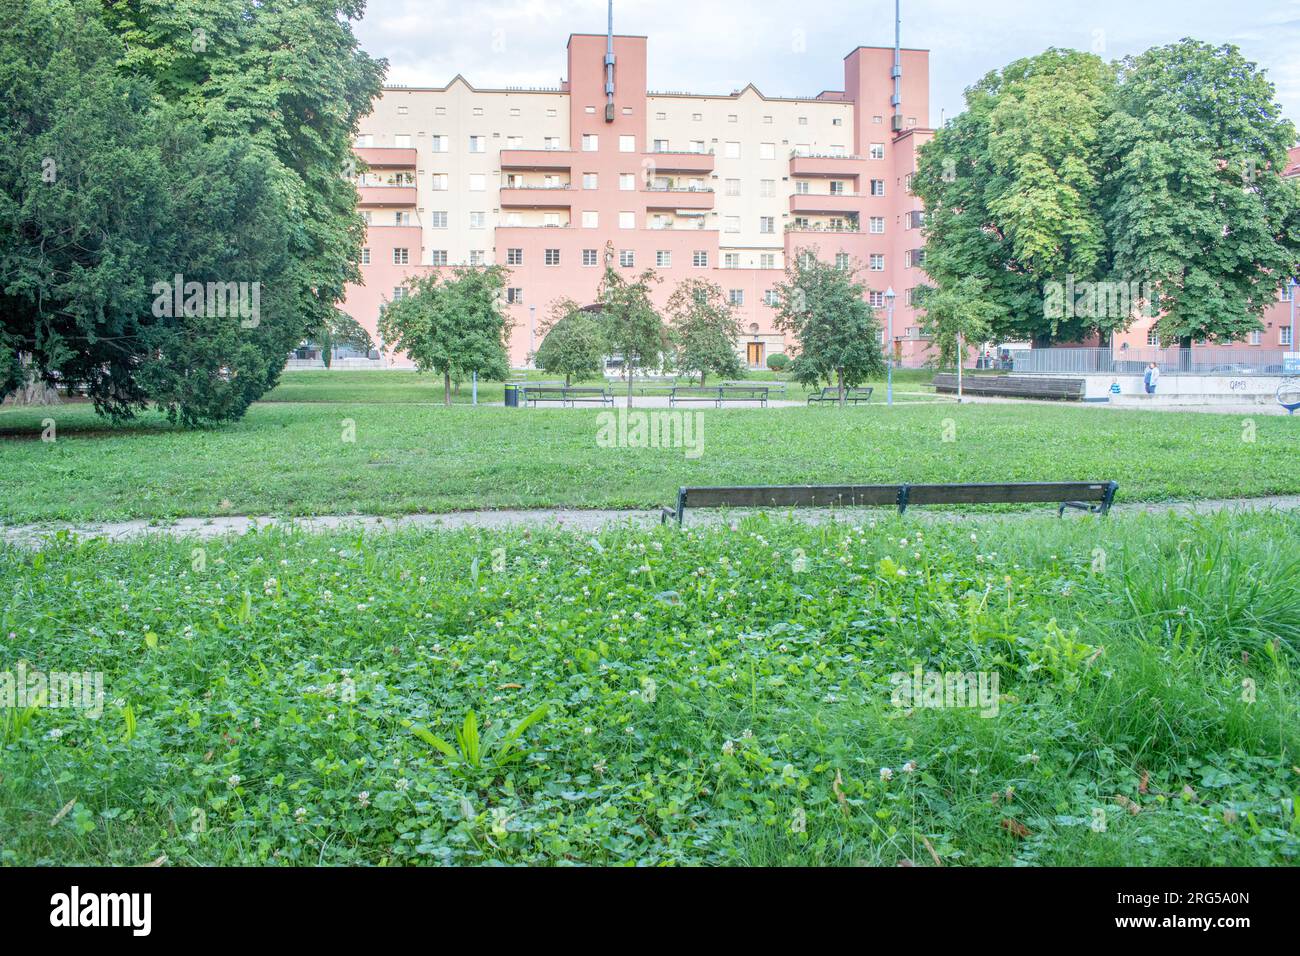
<point>713,696</point>
<point>293,459</point>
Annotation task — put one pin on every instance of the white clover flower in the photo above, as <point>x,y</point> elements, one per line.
<point>363,798</point>
<point>729,748</point>
<point>403,784</point>
<point>909,767</point>
<point>233,781</point>
<point>300,814</point>
<point>886,773</point>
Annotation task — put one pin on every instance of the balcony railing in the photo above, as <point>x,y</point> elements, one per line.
<point>796,154</point>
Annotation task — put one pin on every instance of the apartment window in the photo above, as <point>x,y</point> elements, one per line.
<point>399,292</point>
<point>514,142</point>
<point>731,224</point>
<point>1256,337</point>
<point>590,142</point>
<point>514,111</point>
<point>590,110</point>
<point>440,111</point>
<point>438,182</point>
<point>627,144</point>
<point>877,151</point>
<point>439,144</point>
<point>439,257</point>
<point>363,140</point>
<point>627,220</point>
<point>837,187</point>
<point>478,144</point>
<point>515,296</point>
<point>915,218</point>
<point>767,188</point>
<point>801,187</point>
<point>803,121</point>
<point>697,117</point>
<point>767,260</point>
<point>835,224</point>
<point>438,219</point>
<point>841,260</point>
<point>401,257</point>
<point>367,216</point>
<point>477,257</point>
<point>551,112</point>
<point>732,150</point>
<point>1284,336</point>
<point>837,121</point>
<point>660,146</point>
<point>627,182</point>
<point>732,118</point>
<point>590,257</point>
<point>365,255</point>
<point>877,187</point>
<point>877,120</point>
<point>590,219</point>
<point>733,187</point>
<point>877,262</point>
<point>1153,338</point>
<point>514,219</point>
<point>402,140</point>
<point>551,257</point>
<point>478,220</point>
<point>551,142</point>
<point>767,120</point>
<point>514,257</point>
<point>731,260</point>
<point>876,299</point>
<point>876,224</point>
<point>664,259</point>
<point>767,224</point>
<point>661,116</point>
<point>477,182</point>
<point>550,219</point>
<point>626,258</point>
<point>700,259</point>
<point>590,181</point>
<point>914,257</point>
<point>1286,292</point>
<point>478,111</point>
<point>736,296</point>
<point>767,150</point>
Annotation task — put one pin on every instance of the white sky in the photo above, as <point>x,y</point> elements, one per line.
<point>707,46</point>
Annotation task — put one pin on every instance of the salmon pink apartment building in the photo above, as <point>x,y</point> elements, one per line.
<point>554,183</point>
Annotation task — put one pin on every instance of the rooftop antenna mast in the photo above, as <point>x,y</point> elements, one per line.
<point>609,67</point>
<point>897,72</point>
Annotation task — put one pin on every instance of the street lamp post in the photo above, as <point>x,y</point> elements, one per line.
<point>1294,347</point>
<point>889,366</point>
<point>532,333</point>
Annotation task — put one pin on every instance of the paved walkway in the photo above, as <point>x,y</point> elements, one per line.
<point>564,518</point>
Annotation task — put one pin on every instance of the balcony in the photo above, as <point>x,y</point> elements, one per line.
<point>679,162</point>
<point>386,157</point>
<point>680,197</point>
<point>386,195</point>
<point>831,204</point>
<point>537,197</point>
<point>552,159</point>
<point>828,167</point>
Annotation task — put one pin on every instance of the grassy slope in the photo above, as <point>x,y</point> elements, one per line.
<point>289,458</point>
<point>708,691</point>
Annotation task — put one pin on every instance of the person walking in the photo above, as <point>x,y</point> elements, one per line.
<point>1151,378</point>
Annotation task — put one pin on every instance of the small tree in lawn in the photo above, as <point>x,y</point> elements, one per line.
<point>959,313</point>
<point>340,330</point>
<point>703,330</point>
<point>836,333</point>
<point>574,345</point>
<point>633,328</point>
<point>453,326</point>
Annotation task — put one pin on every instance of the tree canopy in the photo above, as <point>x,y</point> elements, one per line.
<point>634,329</point>
<point>704,330</point>
<point>574,345</point>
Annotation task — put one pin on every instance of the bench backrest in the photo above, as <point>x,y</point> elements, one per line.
<point>901,495</point>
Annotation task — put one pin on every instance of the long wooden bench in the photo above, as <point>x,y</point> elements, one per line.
<point>852,396</point>
<point>1013,386</point>
<point>742,393</point>
<point>1091,496</point>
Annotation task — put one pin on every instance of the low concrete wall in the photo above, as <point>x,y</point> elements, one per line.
<point>1184,390</point>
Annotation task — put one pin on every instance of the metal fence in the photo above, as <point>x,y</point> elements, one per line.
<point>1172,361</point>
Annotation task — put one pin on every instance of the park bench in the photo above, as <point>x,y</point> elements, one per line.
<point>567,395</point>
<point>852,396</point>
<point>1013,386</point>
<point>773,388</point>
<point>1091,496</point>
<point>693,393</point>
<point>742,393</point>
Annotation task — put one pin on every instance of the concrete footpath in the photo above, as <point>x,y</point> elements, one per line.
<point>36,535</point>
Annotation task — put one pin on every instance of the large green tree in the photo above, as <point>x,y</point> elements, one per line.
<point>704,330</point>
<point>823,306</point>
<point>453,326</point>
<point>1194,201</point>
<point>1011,189</point>
<point>956,315</point>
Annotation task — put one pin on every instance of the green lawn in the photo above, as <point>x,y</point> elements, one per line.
<point>287,458</point>
<point>715,696</point>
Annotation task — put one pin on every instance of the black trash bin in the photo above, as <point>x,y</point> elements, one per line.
<point>512,394</point>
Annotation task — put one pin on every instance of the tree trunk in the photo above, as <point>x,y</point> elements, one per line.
<point>446,389</point>
<point>839,378</point>
<point>567,376</point>
<point>33,391</point>
<point>629,385</point>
